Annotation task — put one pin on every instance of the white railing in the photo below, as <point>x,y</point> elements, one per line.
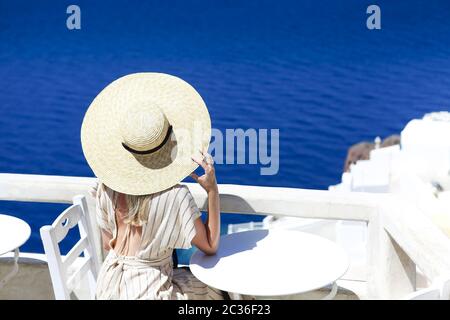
<point>400,236</point>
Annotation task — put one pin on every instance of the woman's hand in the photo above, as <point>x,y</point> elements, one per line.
<point>208,234</point>
<point>208,180</point>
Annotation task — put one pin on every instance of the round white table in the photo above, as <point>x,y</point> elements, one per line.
<point>14,232</point>
<point>271,263</point>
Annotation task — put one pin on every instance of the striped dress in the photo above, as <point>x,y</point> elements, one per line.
<point>149,274</point>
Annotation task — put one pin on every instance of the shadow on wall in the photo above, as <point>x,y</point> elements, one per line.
<point>232,244</point>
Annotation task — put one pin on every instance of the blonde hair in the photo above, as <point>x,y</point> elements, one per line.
<point>138,206</point>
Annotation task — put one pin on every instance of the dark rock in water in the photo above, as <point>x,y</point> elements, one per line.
<point>391,141</point>
<point>361,151</point>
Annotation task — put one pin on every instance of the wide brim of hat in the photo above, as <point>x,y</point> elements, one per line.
<point>125,172</point>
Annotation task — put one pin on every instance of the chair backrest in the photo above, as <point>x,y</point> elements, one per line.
<point>63,283</point>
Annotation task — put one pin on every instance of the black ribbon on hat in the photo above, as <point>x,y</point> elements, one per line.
<point>169,131</point>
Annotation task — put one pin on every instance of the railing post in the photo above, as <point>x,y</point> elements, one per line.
<point>391,273</point>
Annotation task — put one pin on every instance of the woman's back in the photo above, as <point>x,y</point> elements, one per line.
<point>129,236</point>
<point>167,222</point>
<point>139,264</point>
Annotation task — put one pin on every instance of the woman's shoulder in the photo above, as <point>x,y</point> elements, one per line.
<point>182,194</point>
<point>178,190</point>
<point>185,200</point>
<point>181,190</point>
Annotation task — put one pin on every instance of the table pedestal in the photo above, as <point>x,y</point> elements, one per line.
<point>237,296</point>
<point>14,270</point>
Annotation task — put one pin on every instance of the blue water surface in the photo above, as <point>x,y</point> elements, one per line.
<point>311,69</point>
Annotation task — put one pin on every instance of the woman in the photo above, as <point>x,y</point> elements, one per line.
<point>139,138</point>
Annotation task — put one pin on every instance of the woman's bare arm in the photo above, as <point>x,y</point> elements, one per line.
<point>208,234</point>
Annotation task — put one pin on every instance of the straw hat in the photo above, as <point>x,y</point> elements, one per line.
<point>140,132</point>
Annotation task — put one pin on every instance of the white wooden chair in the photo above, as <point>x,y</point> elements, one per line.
<point>63,283</point>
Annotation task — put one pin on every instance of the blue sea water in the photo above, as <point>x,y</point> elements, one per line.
<point>309,68</point>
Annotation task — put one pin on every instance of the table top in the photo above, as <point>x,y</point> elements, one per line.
<point>271,263</point>
<point>13,233</point>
